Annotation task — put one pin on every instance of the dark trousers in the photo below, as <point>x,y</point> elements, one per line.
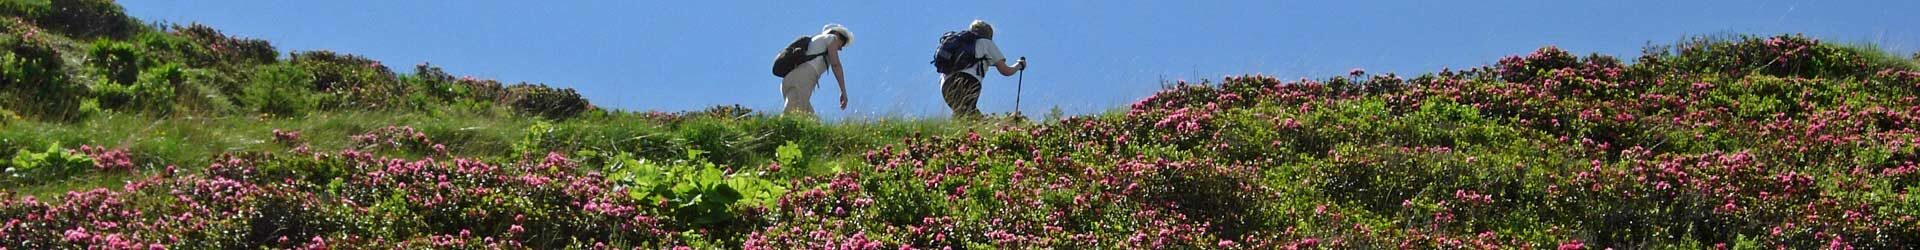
<point>962,93</point>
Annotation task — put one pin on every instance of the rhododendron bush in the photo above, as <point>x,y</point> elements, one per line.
<point>1756,142</point>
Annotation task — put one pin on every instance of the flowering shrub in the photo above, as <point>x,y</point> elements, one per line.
<point>108,159</point>
<point>286,137</point>
<point>134,68</point>
<point>88,18</point>
<point>222,48</point>
<point>33,74</point>
<point>394,138</point>
<point>543,101</point>
<point>1776,142</point>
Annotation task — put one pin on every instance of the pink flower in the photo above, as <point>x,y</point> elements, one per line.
<point>1839,243</point>
<point>1573,245</point>
<point>317,244</point>
<point>78,235</point>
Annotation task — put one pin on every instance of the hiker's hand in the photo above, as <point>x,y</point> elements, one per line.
<point>843,101</point>
<point>1021,64</point>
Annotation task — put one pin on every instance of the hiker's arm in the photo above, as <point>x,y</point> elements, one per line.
<point>1004,69</point>
<point>833,60</point>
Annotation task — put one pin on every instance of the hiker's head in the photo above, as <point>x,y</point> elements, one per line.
<point>846,37</point>
<point>981,27</point>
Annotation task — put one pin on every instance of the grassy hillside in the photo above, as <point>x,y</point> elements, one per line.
<point>116,134</point>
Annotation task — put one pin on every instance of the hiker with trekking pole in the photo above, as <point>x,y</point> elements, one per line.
<point>801,64</point>
<point>962,60</point>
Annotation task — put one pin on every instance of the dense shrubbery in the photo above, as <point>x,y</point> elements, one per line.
<point>1545,150</point>
<point>543,101</point>
<point>279,90</point>
<point>34,76</point>
<point>115,61</point>
<point>1749,142</point>
<point>209,73</point>
<point>221,48</point>
<point>89,18</point>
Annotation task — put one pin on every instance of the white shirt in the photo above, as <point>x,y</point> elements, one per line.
<point>984,49</point>
<point>818,66</point>
<point>819,46</point>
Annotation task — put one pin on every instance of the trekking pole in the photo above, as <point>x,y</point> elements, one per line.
<point>1017,87</point>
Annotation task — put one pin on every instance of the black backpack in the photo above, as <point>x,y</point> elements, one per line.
<point>794,55</point>
<point>956,52</point>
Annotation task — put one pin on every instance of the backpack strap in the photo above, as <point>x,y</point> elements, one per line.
<point>814,56</point>
<point>982,61</point>
<point>823,51</point>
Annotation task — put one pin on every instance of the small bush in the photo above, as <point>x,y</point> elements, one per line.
<point>26,9</point>
<point>543,101</point>
<point>352,82</point>
<point>112,95</point>
<point>226,49</point>
<point>156,88</point>
<point>164,47</point>
<point>117,61</point>
<point>279,90</point>
<point>89,18</point>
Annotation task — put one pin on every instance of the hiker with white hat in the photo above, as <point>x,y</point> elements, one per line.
<point>802,63</point>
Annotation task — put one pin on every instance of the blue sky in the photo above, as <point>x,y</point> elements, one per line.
<point>1087,56</point>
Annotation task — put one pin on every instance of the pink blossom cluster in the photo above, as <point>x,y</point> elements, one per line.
<point>115,160</point>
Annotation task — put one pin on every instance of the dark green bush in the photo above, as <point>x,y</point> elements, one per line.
<point>117,61</point>
<point>156,88</point>
<point>279,90</point>
<point>33,77</point>
<point>434,81</point>
<point>351,81</point>
<point>225,49</point>
<point>543,101</point>
<point>163,47</point>
<point>113,96</point>
<point>89,18</point>
<point>23,9</point>
<point>1780,56</point>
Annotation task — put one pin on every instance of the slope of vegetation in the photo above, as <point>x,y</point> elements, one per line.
<point>119,135</point>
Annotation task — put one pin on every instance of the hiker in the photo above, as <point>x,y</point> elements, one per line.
<point>802,62</point>
<point>962,60</point>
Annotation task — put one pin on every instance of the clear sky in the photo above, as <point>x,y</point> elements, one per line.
<point>1087,56</point>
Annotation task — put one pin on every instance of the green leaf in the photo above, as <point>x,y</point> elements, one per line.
<point>788,154</point>
<point>638,194</point>
<point>723,195</point>
<point>694,154</point>
<point>684,188</point>
<point>709,176</point>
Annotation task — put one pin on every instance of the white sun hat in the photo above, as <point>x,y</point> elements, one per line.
<point>840,30</point>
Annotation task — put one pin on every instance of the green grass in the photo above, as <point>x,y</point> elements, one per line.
<point>190,143</point>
